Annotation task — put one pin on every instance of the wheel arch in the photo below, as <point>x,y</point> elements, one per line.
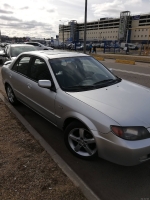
<point>83,120</point>
<point>6,84</point>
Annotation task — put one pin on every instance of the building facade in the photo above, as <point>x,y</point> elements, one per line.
<point>126,28</point>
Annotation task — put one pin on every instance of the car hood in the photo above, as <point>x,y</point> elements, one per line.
<point>127,103</point>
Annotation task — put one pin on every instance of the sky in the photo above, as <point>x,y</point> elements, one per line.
<point>41,18</point>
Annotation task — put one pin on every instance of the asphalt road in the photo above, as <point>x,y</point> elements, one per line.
<point>107,180</point>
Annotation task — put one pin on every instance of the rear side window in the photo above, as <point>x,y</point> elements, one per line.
<point>34,44</point>
<point>39,70</point>
<point>22,65</point>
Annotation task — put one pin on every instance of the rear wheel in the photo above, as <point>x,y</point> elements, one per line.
<point>11,96</point>
<point>80,141</point>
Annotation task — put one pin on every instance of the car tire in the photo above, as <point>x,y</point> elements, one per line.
<point>80,141</point>
<point>11,96</point>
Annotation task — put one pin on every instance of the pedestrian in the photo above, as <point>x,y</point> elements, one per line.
<point>90,48</point>
<point>126,48</point>
<point>94,49</point>
<point>127,52</point>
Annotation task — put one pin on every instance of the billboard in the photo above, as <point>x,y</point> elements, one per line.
<point>136,17</point>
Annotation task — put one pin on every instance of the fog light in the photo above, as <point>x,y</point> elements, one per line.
<point>143,158</point>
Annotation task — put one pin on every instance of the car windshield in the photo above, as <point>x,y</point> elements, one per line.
<point>15,51</point>
<point>81,73</point>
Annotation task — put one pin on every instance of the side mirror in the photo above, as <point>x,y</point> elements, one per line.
<point>44,83</point>
<point>4,54</point>
<point>111,69</point>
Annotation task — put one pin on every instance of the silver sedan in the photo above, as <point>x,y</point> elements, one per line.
<point>100,113</point>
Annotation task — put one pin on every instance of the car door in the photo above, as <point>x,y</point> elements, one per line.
<point>41,99</point>
<point>18,78</point>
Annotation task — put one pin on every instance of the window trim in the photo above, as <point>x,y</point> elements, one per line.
<point>18,60</point>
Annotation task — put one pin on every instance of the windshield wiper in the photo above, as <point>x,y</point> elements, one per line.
<point>108,81</point>
<point>80,87</point>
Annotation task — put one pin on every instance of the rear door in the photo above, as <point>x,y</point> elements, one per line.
<point>41,99</point>
<point>18,78</point>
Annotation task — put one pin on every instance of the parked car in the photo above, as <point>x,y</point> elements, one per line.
<point>130,46</point>
<point>1,55</point>
<point>11,51</point>
<point>102,45</point>
<point>2,45</point>
<point>99,112</point>
<point>78,47</point>
<point>39,46</point>
<point>97,45</point>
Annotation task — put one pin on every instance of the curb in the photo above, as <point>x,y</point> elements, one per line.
<point>131,62</point>
<point>136,58</point>
<point>98,57</point>
<point>65,168</point>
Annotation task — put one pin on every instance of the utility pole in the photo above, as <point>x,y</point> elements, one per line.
<point>85,22</point>
<point>63,35</point>
<point>0,36</point>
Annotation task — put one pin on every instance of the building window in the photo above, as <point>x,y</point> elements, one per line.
<point>145,35</point>
<point>138,35</point>
<point>141,35</point>
<point>139,29</point>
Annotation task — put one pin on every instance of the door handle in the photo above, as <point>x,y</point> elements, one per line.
<point>10,75</point>
<point>29,85</point>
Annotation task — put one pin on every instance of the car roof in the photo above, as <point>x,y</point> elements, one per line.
<point>19,45</point>
<point>51,54</point>
<point>32,42</point>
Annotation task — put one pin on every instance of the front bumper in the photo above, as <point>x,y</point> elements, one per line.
<point>120,151</point>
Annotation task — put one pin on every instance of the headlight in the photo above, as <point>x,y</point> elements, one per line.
<point>131,133</point>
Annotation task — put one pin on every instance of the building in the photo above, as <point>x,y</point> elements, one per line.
<point>126,28</point>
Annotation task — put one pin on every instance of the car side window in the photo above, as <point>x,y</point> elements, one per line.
<point>22,65</point>
<point>35,44</point>
<point>7,50</point>
<point>39,70</point>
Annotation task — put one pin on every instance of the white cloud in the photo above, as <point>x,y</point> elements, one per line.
<point>42,18</point>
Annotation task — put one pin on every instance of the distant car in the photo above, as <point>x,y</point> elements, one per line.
<point>78,47</point>
<point>102,45</point>
<point>97,45</point>
<point>39,46</point>
<point>130,46</point>
<point>4,44</point>
<point>1,55</point>
<point>99,112</point>
<point>11,51</point>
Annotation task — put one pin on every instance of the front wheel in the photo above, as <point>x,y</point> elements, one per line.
<point>80,141</point>
<point>11,96</point>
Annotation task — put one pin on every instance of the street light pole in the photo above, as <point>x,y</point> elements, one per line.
<point>85,22</point>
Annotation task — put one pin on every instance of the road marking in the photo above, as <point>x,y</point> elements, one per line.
<point>130,72</point>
